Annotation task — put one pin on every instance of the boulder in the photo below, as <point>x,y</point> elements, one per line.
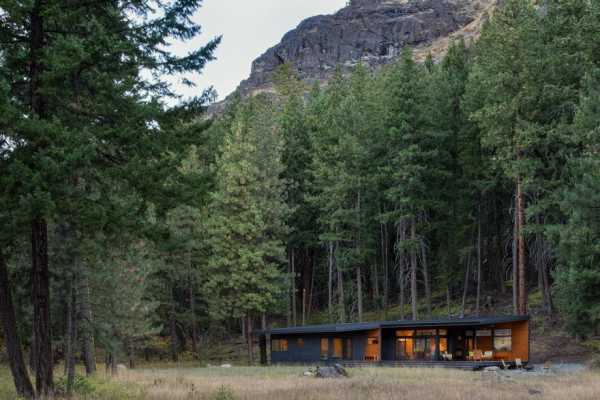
<point>225,365</point>
<point>336,371</point>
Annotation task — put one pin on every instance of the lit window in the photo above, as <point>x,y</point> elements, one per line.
<point>279,345</point>
<point>300,343</point>
<point>324,348</point>
<point>426,332</point>
<point>503,340</point>
<point>405,333</point>
<point>372,340</point>
<point>443,332</point>
<point>484,333</point>
<point>338,348</point>
<point>443,345</point>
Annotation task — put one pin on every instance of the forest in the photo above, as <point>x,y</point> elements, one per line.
<point>434,189</point>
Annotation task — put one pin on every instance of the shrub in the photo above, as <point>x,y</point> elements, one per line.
<point>81,385</point>
<point>224,393</point>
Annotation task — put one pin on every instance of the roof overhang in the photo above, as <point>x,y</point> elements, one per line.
<point>368,326</point>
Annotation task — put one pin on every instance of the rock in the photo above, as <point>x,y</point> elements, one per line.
<point>370,32</point>
<point>341,370</point>
<point>331,372</point>
<point>225,365</point>
<point>308,373</point>
<point>535,392</point>
<point>491,369</point>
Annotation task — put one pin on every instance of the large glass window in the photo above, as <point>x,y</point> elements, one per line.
<point>324,348</point>
<point>279,345</point>
<point>348,349</point>
<point>338,348</point>
<point>503,340</point>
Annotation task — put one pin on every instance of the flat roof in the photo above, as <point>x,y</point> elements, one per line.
<point>367,326</point>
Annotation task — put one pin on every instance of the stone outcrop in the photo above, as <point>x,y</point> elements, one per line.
<point>371,32</point>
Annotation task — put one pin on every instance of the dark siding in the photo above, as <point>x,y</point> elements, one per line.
<point>311,352</point>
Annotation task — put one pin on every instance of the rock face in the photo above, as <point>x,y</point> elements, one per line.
<point>371,32</point>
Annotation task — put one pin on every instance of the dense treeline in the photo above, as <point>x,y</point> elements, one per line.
<point>406,192</point>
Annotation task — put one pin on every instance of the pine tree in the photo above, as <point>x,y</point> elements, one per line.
<point>246,226</point>
<point>82,106</point>
<point>578,277</point>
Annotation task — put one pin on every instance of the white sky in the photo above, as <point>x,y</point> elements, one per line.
<point>249,28</point>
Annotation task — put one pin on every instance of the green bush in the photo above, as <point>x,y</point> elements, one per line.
<point>81,385</point>
<point>224,393</point>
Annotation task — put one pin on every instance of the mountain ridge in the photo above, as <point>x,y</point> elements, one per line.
<point>369,32</point>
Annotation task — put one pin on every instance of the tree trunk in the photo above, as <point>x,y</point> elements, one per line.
<point>386,266</point>
<point>426,279</point>
<point>173,326</point>
<point>400,236</point>
<point>413,270</point>
<point>341,297</point>
<point>303,306</point>
<point>448,299</point>
<point>330,282</point>
<point>85,320</point>
<point>250,341</point>
<point>41,308</point>
<point>521,249</point>
<point>359,293</point>
<point>466,287</point>
<point>71,335</point>
<point>515,263</point>
<point>11,339</point>
<point>478,298</point>
<point>294,311</point>
<point>193,322</point>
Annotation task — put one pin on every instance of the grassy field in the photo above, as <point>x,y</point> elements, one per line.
<point>287,383</point>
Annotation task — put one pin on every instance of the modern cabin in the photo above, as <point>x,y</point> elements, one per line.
<point>468,342</point>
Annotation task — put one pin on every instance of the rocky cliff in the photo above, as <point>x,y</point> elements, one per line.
<point>372,32</point>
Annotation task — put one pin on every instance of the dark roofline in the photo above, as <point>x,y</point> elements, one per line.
<point>367,326</point>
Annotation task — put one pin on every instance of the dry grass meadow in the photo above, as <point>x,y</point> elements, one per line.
<point>287,383</point>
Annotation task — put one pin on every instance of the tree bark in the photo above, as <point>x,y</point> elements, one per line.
<point>466,287</point>
<point>42,340</point>
<point>359,293</point>
<point>478,298</point>
<point>426,279</point>
<point>515,263</point>
<point>71,335</point>
<point>386,265</point>
<point>413,270</point>
<point>86,320</point>
<point>294,306</point>
<point>400,236</point>
<point>521,250</point>
<point>193,321</point>
<point>250,341</point>
<point>11,339</point>
<point>173,326</point>
<point>330,282</point>
<point>341,297</point>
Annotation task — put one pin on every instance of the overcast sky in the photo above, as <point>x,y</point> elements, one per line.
<point>249,28</point>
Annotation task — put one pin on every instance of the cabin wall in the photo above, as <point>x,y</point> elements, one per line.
<point>520,341</point>
<point>311,351</point>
